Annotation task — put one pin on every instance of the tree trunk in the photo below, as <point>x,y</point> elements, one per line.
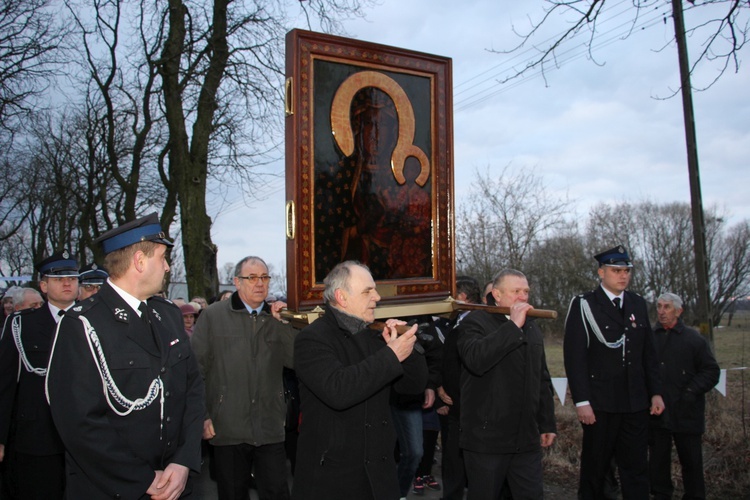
<point>188,158</point>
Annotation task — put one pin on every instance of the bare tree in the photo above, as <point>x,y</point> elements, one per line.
<point>720,37</point>
<point>506,215</point>
<point>729,268</point>
<point>558,269</point>
<point>226,274</point>
<point>659,238</point>
<point>221,66</point>
<point>30,39</point>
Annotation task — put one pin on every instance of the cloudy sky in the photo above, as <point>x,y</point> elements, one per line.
<point>597,130</point>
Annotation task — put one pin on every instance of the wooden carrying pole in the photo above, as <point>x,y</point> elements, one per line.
<point>463,306</point>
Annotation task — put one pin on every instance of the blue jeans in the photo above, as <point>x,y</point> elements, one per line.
<point>408,425</point>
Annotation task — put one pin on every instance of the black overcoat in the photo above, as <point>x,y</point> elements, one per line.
<point>346,437</point>
<point>506,389</point>
<point>23,407</point>
<point>110,455</point>
<point>688,371</point>
<point>616,380</point>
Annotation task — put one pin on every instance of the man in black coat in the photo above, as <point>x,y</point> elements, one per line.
<point>28,439</point>
<point>123,386</point>
<point>345,372</point>
<point>507,409</point>
<point>688,371</point>
<point>613,375</point>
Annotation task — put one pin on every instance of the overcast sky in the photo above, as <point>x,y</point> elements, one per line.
<point>597,131</point>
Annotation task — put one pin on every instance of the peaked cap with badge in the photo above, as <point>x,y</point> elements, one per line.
<point>92,275</point>
<point>614,257</point>
<point>59,264</point>
<point>146,228</point>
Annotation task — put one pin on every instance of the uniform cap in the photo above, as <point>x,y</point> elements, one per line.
<point>146,228</point>
<point>92,275</point>
<point>60,264</point>
<point>614,257</point>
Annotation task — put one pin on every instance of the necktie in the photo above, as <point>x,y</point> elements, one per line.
<point>146,318</point>
<point>61,312</point>
<point>616,302</point>
<point>144,312</point>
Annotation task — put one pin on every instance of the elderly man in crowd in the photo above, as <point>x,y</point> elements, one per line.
<point>242,346</point>
<point>346,372</point>
<point>27,298</point>
<point>688,371</point>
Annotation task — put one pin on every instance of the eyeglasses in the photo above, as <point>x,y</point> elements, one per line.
<point>90,287</point>
<point>253,279</point>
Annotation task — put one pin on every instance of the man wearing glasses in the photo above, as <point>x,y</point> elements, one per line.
<point>91,279</point>
<point>242,345</point>
<point>29,441</point>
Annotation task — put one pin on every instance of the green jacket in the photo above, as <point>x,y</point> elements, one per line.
<point>241,358</point>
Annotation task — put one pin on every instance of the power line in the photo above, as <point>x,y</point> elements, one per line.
<point>562,58</point>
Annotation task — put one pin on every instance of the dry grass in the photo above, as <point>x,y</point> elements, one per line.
<point>726,445</point>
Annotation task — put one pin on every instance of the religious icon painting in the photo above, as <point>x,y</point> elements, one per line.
<point>369,167</point>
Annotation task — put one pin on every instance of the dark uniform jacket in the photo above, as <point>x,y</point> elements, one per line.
<point>616,380</point>
<point>110,455</point>
<point>346,441</point>
<point>25,418</point>
<point>688,371</point>
<point>506,390</point>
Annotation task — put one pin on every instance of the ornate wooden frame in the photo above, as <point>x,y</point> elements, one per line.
<point>341,201</point>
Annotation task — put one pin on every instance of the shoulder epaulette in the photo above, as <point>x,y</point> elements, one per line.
<point>162,300</point>
<point>83,306</point>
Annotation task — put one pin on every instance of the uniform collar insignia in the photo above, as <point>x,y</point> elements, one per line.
<point>121,314</point>
<point>78,308</point>
<point>156,313</point>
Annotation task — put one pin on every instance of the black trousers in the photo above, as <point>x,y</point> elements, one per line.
<point>488,472</point>
<point>624,436</point>
<point>454,474</point>
<point>38,477</point>
<point>689,452</point>
<point>234,465</point>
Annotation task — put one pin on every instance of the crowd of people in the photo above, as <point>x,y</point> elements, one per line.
<point>109,390</point>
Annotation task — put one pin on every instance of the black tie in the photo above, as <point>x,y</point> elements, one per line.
<point>616,302</point>
<point>61,312</point>
<point>144,312</point>
<point>146,318</point>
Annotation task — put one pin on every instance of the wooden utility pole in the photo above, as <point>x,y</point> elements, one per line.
<point>696,202</point>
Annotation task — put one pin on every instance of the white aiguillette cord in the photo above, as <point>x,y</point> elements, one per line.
<point>589,319</point>
<point>110,389</point>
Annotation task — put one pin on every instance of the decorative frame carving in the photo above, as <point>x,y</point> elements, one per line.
<point>369,167</point>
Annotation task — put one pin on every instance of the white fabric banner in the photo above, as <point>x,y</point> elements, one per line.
<point>722,385</point>
<point>561,386</point>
